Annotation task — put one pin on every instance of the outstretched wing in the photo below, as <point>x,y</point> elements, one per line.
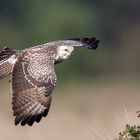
<point>90,43</point>
<point>33,80</point>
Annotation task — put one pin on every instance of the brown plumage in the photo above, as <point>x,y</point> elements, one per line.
<point>33,76</point>
<point>7,60</point>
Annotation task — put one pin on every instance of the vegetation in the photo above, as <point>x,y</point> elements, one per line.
<point>132,132</point>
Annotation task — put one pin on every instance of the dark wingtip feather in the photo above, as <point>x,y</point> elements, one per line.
<point>17,121</point>
<point>93,44</point>
<point>30,120</point>
<point>45,113</point>
<point>6,53</point>
<point>38,118</point>
<point>90,43</point>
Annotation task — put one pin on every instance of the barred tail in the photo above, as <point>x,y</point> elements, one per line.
<point>7,60</point>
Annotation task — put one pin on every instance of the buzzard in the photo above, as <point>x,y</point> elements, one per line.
<point>33,75</point>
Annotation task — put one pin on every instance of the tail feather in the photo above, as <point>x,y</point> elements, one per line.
<point>7,60</point>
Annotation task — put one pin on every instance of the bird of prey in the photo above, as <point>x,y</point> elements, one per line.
<point>33,75</point>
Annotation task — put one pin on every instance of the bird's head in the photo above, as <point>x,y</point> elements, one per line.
<point>63,52</point>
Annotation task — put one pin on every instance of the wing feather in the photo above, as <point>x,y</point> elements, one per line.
<point>90,43</point>
<point>32,94</point>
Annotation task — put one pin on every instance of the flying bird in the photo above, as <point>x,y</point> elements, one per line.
<point>33,75</point>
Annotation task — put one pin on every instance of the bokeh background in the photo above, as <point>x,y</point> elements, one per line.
<point>98,91</point>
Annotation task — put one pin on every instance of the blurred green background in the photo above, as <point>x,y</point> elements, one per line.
<point>89,78</point>
<point>116,23</point>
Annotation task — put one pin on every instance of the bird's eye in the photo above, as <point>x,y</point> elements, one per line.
<point>66,49</point>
